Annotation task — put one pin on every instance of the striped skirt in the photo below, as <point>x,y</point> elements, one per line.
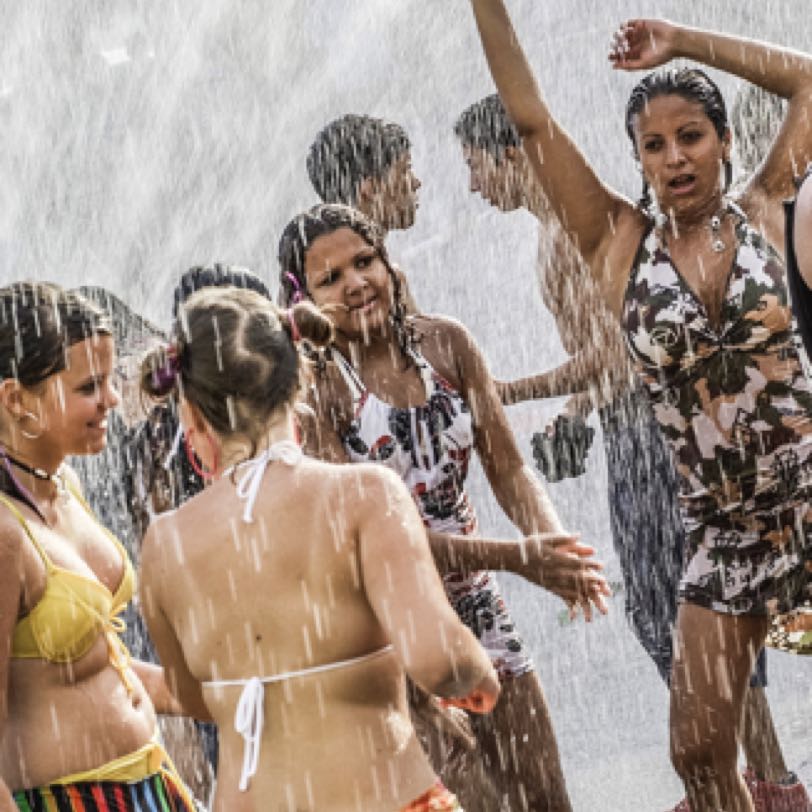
<point>156,793</point>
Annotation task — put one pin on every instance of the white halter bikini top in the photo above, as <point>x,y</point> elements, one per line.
<point>249,718</point>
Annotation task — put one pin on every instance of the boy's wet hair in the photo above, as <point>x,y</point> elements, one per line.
<point>350,150</point>
<point>486,125</point>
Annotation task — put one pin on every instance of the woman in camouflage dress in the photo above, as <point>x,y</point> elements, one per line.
<point>702,297</point>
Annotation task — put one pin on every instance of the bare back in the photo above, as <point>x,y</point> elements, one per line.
<point>289,591</point>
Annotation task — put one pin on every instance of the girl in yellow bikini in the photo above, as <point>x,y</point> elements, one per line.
<point>77,715</point>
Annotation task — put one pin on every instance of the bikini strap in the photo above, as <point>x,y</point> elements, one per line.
<point>351,377</point>
<point>249,718</point>
<point>24,524</point>
<point>424,368</point>
<point>248,487</point>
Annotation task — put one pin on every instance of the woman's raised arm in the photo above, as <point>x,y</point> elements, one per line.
<point>584,205</point>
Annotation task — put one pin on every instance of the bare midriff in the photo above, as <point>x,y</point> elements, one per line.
<point>66,719</point>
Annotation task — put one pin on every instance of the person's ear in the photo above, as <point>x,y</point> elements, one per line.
<point>13,398</point>
<point>512,153</point>
<point>366,190</point>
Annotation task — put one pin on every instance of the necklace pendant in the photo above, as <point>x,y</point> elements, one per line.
<point>718,246</point>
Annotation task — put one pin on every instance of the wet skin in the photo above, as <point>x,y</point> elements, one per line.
<point>62,718</point>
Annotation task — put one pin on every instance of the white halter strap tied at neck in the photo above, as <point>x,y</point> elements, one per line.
<point>253,471</point>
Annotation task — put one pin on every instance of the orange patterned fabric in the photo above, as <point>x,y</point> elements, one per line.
<point>437,799</point>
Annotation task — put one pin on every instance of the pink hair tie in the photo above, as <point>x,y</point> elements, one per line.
<point>165,376</point>
<point>298,293</point>
<point>295,335</point>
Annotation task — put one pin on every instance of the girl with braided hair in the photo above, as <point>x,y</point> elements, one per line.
<point>413,393</point>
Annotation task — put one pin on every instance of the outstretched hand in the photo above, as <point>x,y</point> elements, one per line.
<point>642,44</point>
<point>560,563</point>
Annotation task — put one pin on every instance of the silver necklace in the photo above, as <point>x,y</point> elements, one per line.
<point>718,245</point>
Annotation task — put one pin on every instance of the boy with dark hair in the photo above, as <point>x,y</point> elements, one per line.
<point>365,162</point>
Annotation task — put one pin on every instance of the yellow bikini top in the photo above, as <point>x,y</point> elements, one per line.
<point>73,611</point>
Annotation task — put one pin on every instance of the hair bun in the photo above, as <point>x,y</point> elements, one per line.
<point>306,322</point>
<point>159,372</point>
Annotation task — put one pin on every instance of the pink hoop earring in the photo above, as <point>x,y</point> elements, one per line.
<point>194,461</point>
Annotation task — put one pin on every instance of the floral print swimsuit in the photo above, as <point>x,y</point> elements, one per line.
<point>736,409</point>
<point>429,448</point>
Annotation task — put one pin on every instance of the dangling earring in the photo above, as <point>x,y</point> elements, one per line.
<point>645,196</point>
<point>27,434</point>
<point>194,461</point>
<point>647,203</point>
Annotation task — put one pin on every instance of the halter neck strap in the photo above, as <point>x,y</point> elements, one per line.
<point>253,470</point>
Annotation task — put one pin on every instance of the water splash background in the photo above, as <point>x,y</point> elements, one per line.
<point>139,138</point>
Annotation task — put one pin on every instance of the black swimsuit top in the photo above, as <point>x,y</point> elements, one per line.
<point>800,294</point>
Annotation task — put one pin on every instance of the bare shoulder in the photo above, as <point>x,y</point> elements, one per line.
<point>163,529</point>
<point>368,483</point>
<point>612,265</point>
<point>450,347</point>
<point>442,330</point>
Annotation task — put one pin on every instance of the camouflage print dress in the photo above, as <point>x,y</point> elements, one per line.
<point>736,409</point>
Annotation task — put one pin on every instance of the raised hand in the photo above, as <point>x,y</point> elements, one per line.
<point>563,565</point>
<point>642,44</point>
